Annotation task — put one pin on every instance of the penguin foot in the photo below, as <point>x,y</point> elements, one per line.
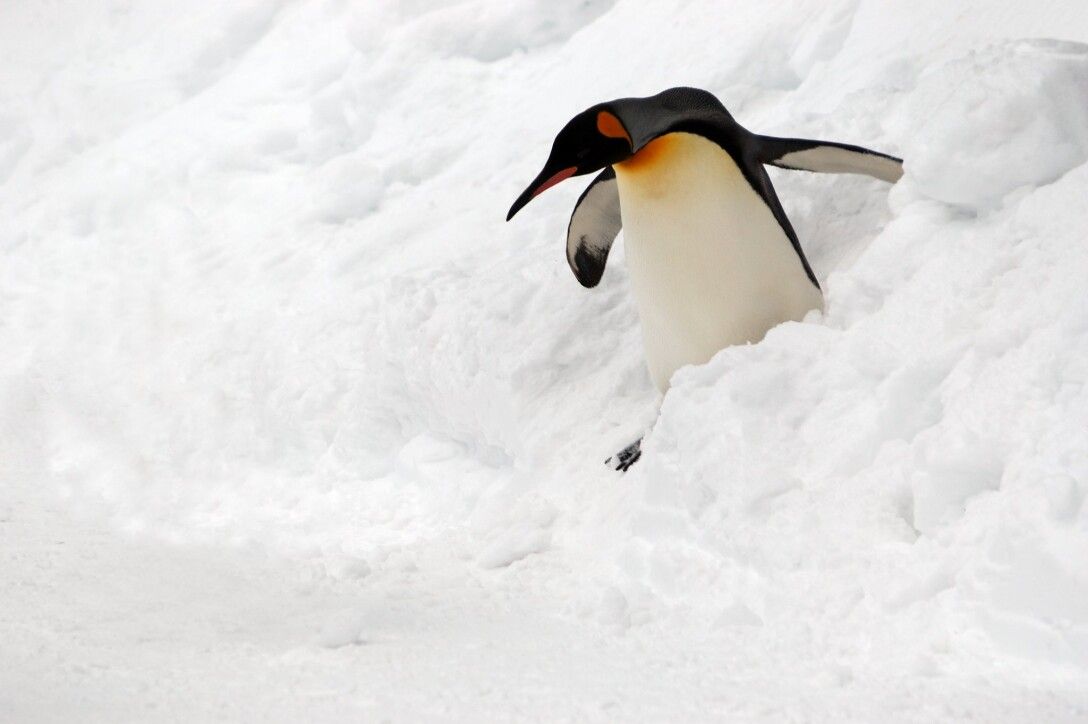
<point>626,457</point>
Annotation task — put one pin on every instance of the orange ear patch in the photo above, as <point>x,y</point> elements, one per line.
<point>611,127</point>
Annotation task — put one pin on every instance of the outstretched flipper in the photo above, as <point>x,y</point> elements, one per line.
<point>827,157</point>
<point>593,227</point>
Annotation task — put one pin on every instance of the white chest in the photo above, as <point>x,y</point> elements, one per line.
<point>709,264</point>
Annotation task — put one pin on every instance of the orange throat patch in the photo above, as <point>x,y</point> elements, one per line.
<point>651,154</point>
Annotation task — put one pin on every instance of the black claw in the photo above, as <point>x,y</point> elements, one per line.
<point>626,457</point>
<point>623,467</point>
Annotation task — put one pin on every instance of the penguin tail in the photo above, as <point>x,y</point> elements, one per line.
<point>802,154</point>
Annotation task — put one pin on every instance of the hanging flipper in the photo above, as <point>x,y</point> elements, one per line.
<point>827,157</point>
<point>593,227</point>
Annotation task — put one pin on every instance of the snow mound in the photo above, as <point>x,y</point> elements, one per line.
<point>1007,117</point>
<point>917,463</point>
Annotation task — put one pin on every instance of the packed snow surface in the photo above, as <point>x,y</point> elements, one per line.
<point>293,426</point>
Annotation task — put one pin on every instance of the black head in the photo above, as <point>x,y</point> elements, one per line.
<point>593,139</point>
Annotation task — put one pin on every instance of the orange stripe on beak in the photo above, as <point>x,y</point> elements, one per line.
<point>561,176</point>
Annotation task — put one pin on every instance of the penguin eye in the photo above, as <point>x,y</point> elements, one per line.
<point>582,154</point>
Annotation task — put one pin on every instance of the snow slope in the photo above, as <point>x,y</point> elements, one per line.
<point>289,415</point>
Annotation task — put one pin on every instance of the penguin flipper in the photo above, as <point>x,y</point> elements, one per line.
<point>593,227</point>
<point>827,157</point>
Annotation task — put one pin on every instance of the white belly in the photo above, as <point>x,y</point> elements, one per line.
<point>710,266</point>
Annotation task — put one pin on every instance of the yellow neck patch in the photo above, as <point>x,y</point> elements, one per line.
<point>653,152</point>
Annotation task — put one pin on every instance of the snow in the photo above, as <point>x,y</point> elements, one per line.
<point>292,425</point>
<point>1027,121</point>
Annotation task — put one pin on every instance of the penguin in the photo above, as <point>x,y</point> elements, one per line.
<point>712,257</point>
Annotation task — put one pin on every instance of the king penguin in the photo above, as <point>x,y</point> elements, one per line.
<point>713,259</point>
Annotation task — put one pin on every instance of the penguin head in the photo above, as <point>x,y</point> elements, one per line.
<point>593,139</point>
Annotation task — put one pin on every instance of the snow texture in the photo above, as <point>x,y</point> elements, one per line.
<point>293,426</point>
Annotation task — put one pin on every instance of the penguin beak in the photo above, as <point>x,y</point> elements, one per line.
<point>544,181</point>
